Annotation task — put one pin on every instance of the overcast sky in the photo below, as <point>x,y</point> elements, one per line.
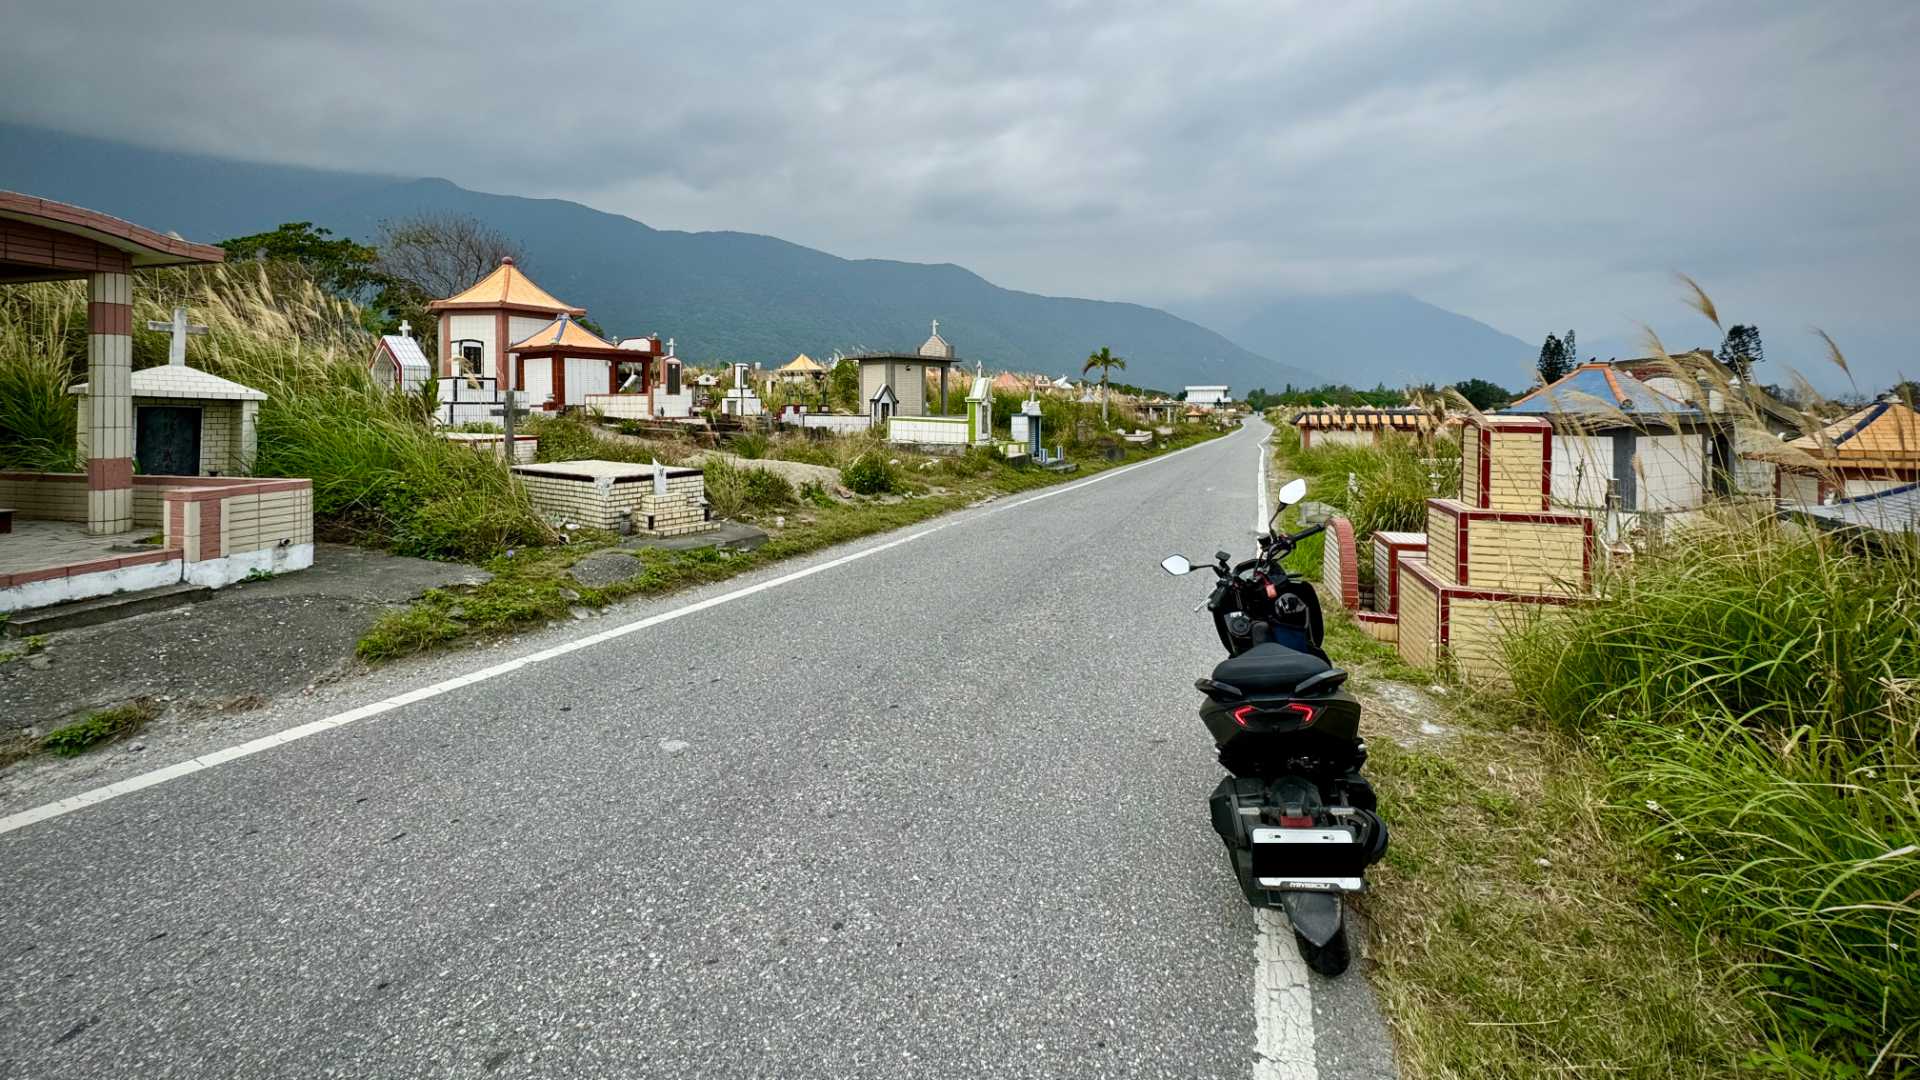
<point>1536,165</point>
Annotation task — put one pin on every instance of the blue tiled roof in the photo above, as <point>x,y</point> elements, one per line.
<point>1598,390</point>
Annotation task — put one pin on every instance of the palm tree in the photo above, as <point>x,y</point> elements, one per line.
<point>1105,361</point>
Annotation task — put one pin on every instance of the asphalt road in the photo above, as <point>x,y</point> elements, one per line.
<point>936,811</point>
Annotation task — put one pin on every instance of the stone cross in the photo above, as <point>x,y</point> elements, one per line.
<point>669,346</point>
<point>179,328</point>
<point>510,410</point>
<point>406,328</point>
<point>936,328</point>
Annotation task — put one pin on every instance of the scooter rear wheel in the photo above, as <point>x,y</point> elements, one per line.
<point>1330,959</point>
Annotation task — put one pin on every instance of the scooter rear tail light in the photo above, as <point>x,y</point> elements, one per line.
<point>1305,712</point>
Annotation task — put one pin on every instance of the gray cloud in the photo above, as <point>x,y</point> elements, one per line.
<point>1534,164</point>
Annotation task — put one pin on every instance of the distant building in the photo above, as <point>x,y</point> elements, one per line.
<point>1208,397</point>
<point>1872,451</point>
<point>801,369</point>
<point>895,384</point>
<point>1619,444</point>
<point>1359,426</point>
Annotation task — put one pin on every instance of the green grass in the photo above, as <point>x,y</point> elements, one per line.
<point>1377,488</point>
<point>1507,921</point>
<point>735,491</point>
<point>28,646</point>
<point>1508,928</point>
<point>98,729</point>
<point>1750,692</point>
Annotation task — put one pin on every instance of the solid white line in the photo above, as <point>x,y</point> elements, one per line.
<point>366,712</point>
<point>1260,520</point>
<point>1282,1003</point>
<point>1282,994</point>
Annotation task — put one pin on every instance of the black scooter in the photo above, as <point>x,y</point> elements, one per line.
<point>1296,816</point>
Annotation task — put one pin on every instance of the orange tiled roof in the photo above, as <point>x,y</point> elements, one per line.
<point>564,332</point>
<point>1885,431</point>
<point>507,286</point>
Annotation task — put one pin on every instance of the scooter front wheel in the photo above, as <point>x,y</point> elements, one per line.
<point>1330,959</point>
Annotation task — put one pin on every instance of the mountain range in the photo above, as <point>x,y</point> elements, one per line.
<point>745,296</point>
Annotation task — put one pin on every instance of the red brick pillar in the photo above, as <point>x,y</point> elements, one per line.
<point>109,412</point>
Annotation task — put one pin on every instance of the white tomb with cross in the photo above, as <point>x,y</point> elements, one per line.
<point>186,422</point>
<point>740,400</point>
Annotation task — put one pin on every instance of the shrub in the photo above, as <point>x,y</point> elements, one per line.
<point>750,445</point>
<point>393,481</point>
<point>733,490</point>
<point>1752,689</point>
<point>469,526</point>
<point>974,461</point>
<point>37,415</point>
<point>869,474</point>
<point>98,728</point>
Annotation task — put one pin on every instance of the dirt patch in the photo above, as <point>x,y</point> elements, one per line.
<point>796,472</point>
<point>251,642</point>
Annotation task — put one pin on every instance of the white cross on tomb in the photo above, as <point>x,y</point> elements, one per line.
<point>179,328</point>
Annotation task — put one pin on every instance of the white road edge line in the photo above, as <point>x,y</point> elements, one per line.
<point>68,805</point>
<point>1282,1003</point>
<point>1282,992</point>
<point>1260,520</point>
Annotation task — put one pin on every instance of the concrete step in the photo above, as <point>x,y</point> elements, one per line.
<point>102,609</point>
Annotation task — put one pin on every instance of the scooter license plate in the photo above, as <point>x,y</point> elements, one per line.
<point>1306,853</point>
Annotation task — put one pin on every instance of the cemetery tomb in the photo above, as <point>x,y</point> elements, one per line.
<point>1539,551</point>
<point>980,409</point>
<point>1494,558</point>
<point>562,364</point>
<point>618,496</point>
<point>525,448</point>
<point>895,385</point>
<point>1505,463</point>
<point>397,362</point>
<point>1387,547</point>
<point>479,324</point>
<point>186,422</point>
<point>1439,621</point>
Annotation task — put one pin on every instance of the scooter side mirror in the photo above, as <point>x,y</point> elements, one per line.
<point>1293,492</point>
<point>1176,565</point>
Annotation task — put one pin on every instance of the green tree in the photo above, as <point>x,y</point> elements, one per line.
<point>1573,351</point>
<point>843,386</point>
<point>1105,361</point>
<point>1741,349</point>
<point>1553,360</point>
<point>1483,395</point>
<point>349,269</point>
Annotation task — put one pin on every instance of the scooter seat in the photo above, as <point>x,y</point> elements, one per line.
<point>1268,668</point>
